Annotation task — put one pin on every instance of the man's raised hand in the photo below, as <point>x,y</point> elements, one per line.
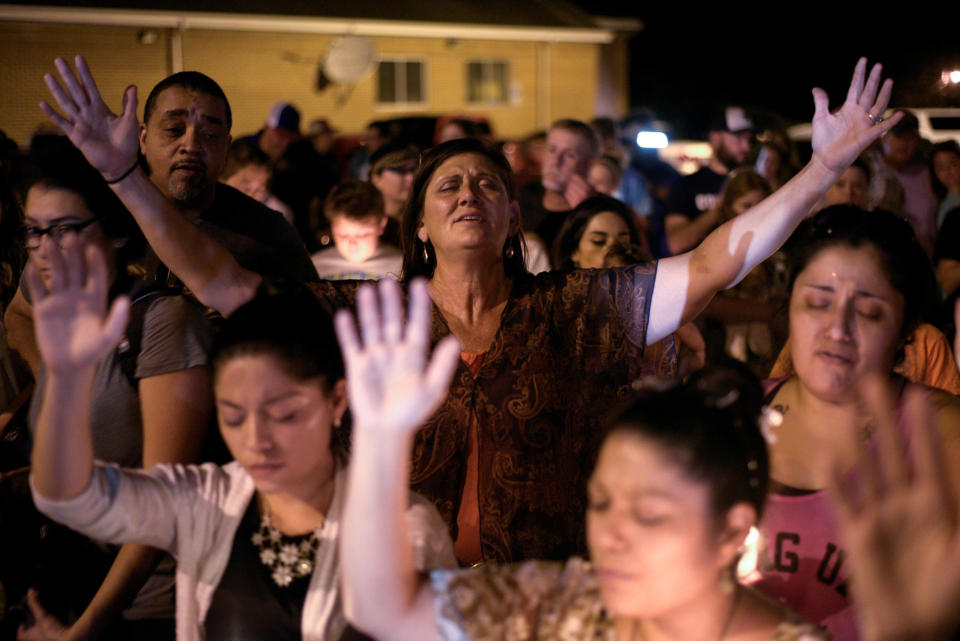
<point>109,142</point>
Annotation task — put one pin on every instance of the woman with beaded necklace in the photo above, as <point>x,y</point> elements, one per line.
<point>255,540</point>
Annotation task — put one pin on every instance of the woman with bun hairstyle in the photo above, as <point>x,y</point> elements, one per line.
<point>680,480</point>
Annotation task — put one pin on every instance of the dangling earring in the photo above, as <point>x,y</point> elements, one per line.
<point>509,252</point>
<point>426,255</point>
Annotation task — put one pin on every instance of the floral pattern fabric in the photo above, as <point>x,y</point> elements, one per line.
<point>540,600</point>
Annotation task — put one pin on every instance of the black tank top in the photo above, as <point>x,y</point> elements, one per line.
<point>247,604</point>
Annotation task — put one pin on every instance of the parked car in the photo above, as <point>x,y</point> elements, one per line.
<point>936,124</point>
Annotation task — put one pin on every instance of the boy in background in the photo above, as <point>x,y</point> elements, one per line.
<point>354,210</point>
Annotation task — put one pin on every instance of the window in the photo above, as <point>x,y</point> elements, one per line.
<point>488,82</point>
<point>401,81</point>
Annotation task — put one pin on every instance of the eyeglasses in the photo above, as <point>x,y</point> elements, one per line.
<point>57,232</point>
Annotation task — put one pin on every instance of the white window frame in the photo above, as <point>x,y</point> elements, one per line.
<point>400,82</point>
<point>486,66</point>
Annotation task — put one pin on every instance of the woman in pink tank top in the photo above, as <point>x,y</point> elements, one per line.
<point>860,284</point>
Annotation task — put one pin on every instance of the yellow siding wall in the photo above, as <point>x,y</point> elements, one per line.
<point>547,81</point>
<point>258,69</point>
<point>449,83</point>
<point>27,52</point>
<point>572,81</point>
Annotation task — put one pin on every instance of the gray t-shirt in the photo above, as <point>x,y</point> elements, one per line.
<point>176,336</point>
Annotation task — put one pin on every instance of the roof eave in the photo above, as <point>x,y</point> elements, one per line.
<point>299,24</point>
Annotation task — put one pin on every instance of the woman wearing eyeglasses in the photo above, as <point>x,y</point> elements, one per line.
<point>152,407</point>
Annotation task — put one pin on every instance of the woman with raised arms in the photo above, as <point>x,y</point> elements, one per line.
<point>680,480</point>
<point>543,356</point>
<point>859,285</point>
<point>255,540</point>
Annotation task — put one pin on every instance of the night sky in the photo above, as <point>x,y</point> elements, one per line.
<point>684,60</point>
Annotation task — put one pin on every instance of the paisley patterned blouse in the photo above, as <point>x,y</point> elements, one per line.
<point>539,600</point>
<point>568,348</point>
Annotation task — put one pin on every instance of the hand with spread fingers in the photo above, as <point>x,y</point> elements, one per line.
<point>108,141</point>
<point>839,137</point>
<point>73,328</point>
<point>393,387</point>
<point>901,528</point>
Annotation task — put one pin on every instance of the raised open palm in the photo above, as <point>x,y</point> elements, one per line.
<point>109,142</point>
<point>73,328</point>
<point>901,528</point>
<point>839,137</point>
<point>393,386</point>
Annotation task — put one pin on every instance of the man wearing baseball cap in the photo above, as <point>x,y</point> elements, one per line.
<point>690,207</point>
<point>301,176</point>
<point>281,128</point>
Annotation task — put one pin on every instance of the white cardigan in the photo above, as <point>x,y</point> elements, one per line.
<point>193,512</point>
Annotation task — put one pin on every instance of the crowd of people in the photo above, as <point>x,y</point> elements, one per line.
<point>572,407</point>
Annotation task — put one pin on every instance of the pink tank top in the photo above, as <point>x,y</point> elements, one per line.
<point>803,560</point>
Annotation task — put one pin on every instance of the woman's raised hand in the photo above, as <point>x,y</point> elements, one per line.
<point>109,142</point>
<point>393,386</point>
<point>839,137</point>
<point>900,527</point>
<point>70,316</point>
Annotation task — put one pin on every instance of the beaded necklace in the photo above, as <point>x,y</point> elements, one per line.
<point>288,557</point>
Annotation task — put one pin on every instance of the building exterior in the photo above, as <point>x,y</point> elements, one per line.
<point>520,64</point>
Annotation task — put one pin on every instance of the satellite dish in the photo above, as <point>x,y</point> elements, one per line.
<point>349,59</point>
